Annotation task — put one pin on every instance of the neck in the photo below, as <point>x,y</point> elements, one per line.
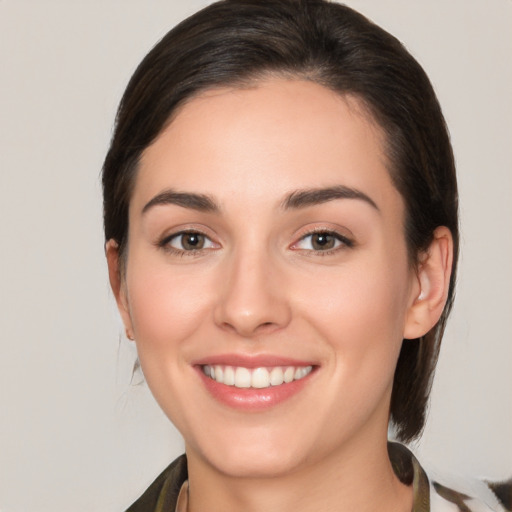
<point>352,478</point>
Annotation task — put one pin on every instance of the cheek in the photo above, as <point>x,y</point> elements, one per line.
<point>361,312</point>
<point>167,310</point>
<point>364,295</point>
<point>165,306</point>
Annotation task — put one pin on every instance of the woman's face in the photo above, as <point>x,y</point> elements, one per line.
<point>266,247</point>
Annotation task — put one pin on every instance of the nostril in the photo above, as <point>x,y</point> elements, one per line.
<point>251,330</point>
<point>266,327</point>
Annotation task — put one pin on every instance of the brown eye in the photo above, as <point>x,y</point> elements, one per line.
<point>192,241</point>
<point>322,241</point>
<point>189,241</point>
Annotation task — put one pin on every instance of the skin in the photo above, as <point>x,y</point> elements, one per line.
<point>259,286</point>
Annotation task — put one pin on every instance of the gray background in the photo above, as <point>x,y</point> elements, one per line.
<point>74,434</point>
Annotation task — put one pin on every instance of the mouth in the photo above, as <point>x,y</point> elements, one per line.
<point>256,378</point>
<point>253,384</point>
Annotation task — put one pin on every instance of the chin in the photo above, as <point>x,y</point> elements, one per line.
<point>252,456</point>
<point>257,463</point>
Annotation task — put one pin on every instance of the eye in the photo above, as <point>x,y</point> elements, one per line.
<point>188,241</point>
<point>322,241</point>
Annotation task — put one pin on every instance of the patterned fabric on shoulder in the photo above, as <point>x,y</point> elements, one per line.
<point>470,496</point>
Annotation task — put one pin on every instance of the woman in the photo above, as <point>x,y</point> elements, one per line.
<point>280,209</point>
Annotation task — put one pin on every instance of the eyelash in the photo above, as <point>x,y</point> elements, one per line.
<point>344,243</point>
<point>165,243</point>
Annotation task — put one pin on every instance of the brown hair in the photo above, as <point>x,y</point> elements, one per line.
<point>234,42</point>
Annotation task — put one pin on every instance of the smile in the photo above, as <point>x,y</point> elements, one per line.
<point>256,378</point>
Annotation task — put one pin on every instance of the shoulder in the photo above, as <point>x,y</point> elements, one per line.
<point>467,496</point>
<point>163,493</point>
<point>443,493</point>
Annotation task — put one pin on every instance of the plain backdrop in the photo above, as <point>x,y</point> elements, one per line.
<point>76,434</point>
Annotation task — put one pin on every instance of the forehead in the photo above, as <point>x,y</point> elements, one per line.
<point>268,139</point>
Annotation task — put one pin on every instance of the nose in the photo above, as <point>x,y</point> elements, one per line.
<point>252,298</point>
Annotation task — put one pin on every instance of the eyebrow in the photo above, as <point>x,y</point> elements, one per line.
<point>314,196</point>
<point>200,202</point>
<point>295,200</point>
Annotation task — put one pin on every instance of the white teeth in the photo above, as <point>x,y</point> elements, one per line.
<point>242,377</point>
<point>258,378</point>
<point>229,376</point>
<point>300,372</point>
<point>289,374</point>
<point>276,376</point>
<point>219,374</point>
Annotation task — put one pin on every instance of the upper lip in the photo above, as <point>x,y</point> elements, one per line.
<point>251,361</point>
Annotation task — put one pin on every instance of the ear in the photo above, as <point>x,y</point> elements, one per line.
<point>118,285</point>
<point>430,291</point>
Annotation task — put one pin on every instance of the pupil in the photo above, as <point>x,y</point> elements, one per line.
<point>323,241</point>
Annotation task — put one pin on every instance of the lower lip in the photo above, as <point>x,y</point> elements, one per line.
<point>253,399</point>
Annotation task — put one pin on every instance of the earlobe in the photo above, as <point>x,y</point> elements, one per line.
<point>433,275</point>
<point>117,284</point>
